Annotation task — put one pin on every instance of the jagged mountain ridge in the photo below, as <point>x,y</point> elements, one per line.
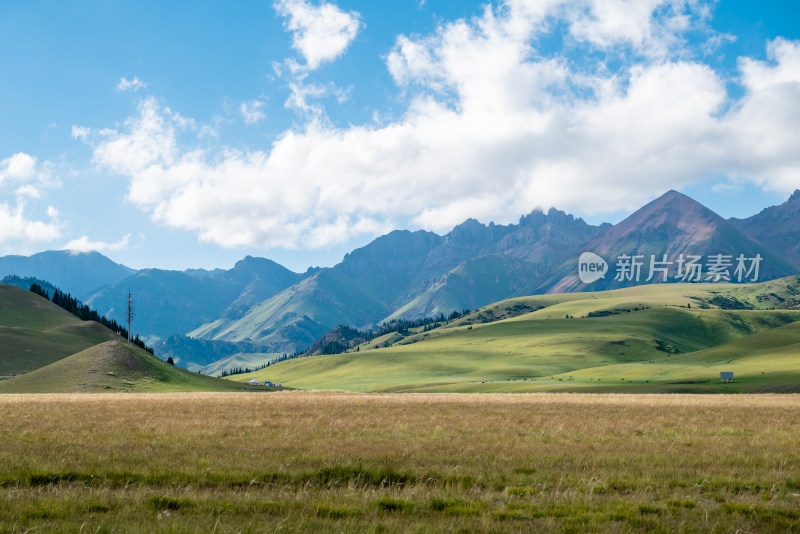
<point>413,274</point>
<point>421,268</point>
<point>671,225</point>
<point>777,227</point>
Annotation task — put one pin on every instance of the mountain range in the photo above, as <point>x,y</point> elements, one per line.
<point>261,306</point>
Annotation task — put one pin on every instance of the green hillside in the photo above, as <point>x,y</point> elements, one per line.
<point>530,344</point>
<point>115,367</point>
<point>767,361</point>
<point>299,315</point>
<point>472,284</point>
<point>34,332</point>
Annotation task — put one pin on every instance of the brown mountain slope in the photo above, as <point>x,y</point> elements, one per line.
<point>777,227</point>
<point>678,227</point>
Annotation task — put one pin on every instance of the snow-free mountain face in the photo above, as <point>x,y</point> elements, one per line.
<point>174,302</point>
<point>673,238</point>
<point>777,227</point>
<point>260,305</point>
<point>410,274</point>
<point>300,314</point>
<point>78,273</point>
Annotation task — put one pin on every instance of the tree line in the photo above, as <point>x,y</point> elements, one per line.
<point>402,326</point>
<point>85,313</point>
<point>349,335</point>
<point>241,370</point>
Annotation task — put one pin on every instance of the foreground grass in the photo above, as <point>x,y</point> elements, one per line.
<point>299,461</point>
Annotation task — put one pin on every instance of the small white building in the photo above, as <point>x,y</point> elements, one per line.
<point>726,376</point>
<point>255,382</point>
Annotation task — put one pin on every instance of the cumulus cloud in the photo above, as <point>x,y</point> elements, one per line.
<point>25,233</point>
<point>149,138</point>
<point>763,130</point>
<point>608,23</point>
<point>252,111</point>
<point>131,85</point>
<point>22,168</point>
<point>84,244</point>
<point>320,32</point>
<point>493,128</point>
<point>18,167</point>
<point>25,177</point>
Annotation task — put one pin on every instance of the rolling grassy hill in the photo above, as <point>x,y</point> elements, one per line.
<point>114,366</point>
<point>768,361</point>
<point>34,332</point>
<point>650,338</point>
<point>53,351</point>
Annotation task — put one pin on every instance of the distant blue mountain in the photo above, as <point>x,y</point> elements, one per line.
<point>174,302</point>
<point>79,273</point>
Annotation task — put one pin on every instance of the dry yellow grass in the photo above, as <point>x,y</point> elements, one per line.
<point>197,462</point>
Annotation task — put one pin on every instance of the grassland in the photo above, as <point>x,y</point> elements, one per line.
<point>653,339</point>
<point>51,351</point>
<point>116,367</point>
<point>297,461</point>
<point>35,332</point>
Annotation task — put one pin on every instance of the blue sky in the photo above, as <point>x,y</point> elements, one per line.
<point>189,134</point>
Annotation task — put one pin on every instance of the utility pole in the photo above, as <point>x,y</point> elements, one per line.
<point>129,315</point>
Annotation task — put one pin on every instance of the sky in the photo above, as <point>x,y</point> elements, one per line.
<point>190,134</point>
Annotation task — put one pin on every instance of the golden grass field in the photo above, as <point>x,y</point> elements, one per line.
<point>299,461</point>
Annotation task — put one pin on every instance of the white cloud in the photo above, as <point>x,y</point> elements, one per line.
<point>84,244</point>
<point>25,233</point>
<point>25,177</point>
<point>28,191</point>
<point>606,23</point>
<point>763,130</point>
<point>154,140</point>
<point>304,96</point>
<point>493,129</point>
<point>252,111</point>
<point>18,167</point>
<point>320,32</point>
<point>131,85</point>
<point>26,169</point>
<point>80,132</point>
